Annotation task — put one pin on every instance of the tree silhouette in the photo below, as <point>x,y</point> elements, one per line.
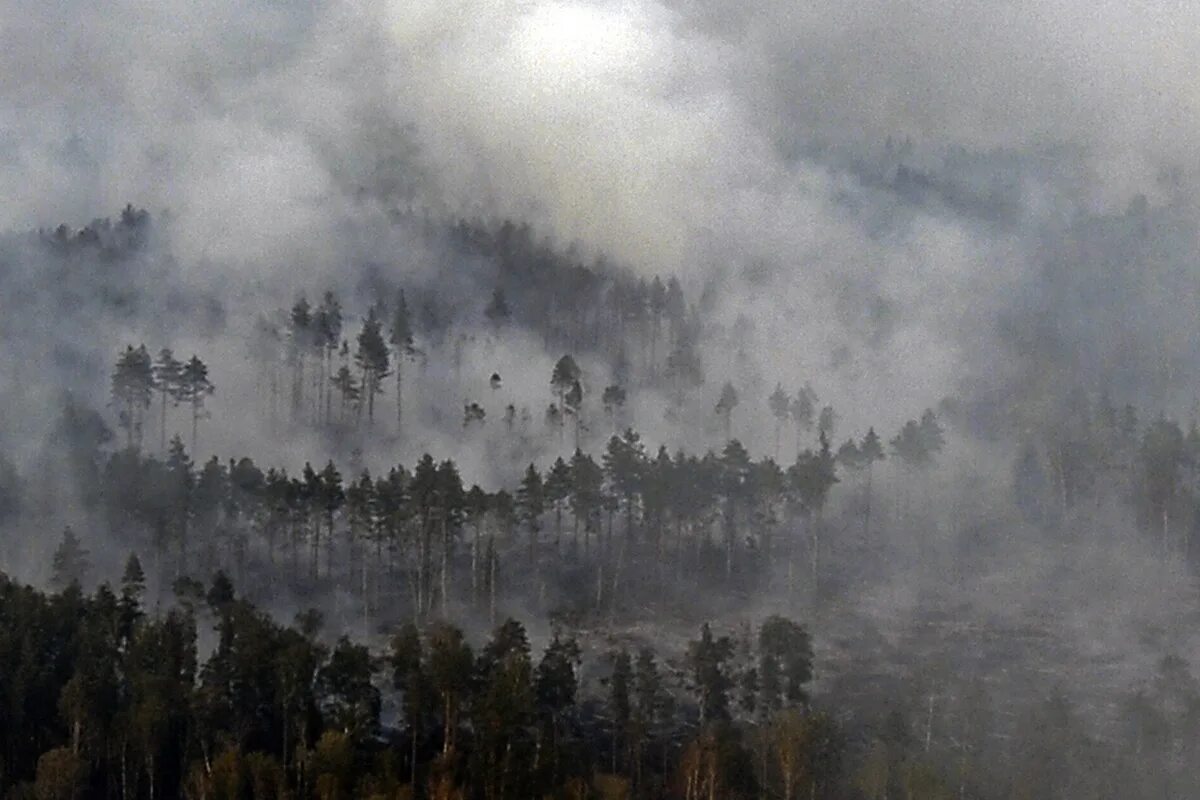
<point>563,378</point>
<point>780,405</point>
<point>726,403</point>
<point>194,389</point>
<point>132,392</point>
<point>70,564</point>
<point>168,375</point>
<point>371,357</point>
<point>401,339</point>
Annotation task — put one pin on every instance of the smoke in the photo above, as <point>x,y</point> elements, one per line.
<point>869,186</point>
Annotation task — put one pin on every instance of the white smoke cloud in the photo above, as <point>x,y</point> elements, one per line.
<point>724,142</point>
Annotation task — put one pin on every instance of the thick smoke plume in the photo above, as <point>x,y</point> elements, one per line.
<point>742,146</point>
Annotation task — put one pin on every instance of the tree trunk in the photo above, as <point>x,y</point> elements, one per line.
<point>814,524</point>
<point>163,424</point>
<point>867,514</point>
<point>492,579</point>
<point>399,399</point>
<point>475,566</point>
<point>195,427</point>
<point>445,560</point>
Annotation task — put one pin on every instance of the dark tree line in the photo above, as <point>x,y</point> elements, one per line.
<point>104,697</point>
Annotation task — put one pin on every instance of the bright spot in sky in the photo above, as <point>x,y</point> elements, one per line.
<point>566,42</point>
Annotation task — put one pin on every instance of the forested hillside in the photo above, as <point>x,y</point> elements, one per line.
<point>556,399</point>
<point>577,609</point>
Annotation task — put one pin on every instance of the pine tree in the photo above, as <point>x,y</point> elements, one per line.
<point>331,497</point>
<point>573,405</point>
<point>827,422</point>
<point>70,564</point>
<point>802,408</point>
<point>504,706</point>
<point>371,357</point>
<point>299,343</point>
<point>849,456</point>
<point>177,500</point>
<point>451,674</point>
<point>411,677</point>
<point>555,687</point>
<point>531,504</point>
<point>132,392</point>
<point>707,659</point>
<point>556,488</point>
<point>587,482</point>
<point>932,437</point>
<point>327,337</point>
<point>348,388</point>
<point>565,375</point>
<point>911,446</point>
<point>452,504</point>
<point>726,403</point>
<point>350,699</point>
<point>613,400</point>
<point>785,663</point>
<point>620,707</point>
<point>779,403</point>
<point>194,389</point>
<point>401,338</point>
<point>168,373</point>
<point>736,490</point>
<point>685,371</point>
<point>133,587</point>
<point>870,451</point>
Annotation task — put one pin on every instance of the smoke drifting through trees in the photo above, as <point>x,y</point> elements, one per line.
<point>554,223</point>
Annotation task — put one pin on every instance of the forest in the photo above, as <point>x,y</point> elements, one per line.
<point>573,400</point>
<point>594,616</point>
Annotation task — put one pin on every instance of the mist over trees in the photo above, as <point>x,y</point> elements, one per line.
<point>567,400</point>
<point>658,582</point>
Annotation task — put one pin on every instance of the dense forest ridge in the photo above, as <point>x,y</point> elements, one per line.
<point>105,697</point>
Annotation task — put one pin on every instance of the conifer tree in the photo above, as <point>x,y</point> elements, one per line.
<point>194,389</point>
<point>348,388</point>
<point>299,342</point>
<point>133,587</point>
<point>331,497</point>
<point>371,357</point>
<point>827,422</point>
<point>451,674</point>
<point>587,482</point>
<point>620,706</point>
<point>802,408</point>
<point>70,564</point>
<point>707,659</point>
<point>780,405</point>
<point>350,697</point>
<point>400,336</point>
<point>531,504</point>
<point>565,375</point>
<point>726,403</point>
<point>132,392</point>
<point>556,489</point>
<point>573,405</point>
<point>327,337</point>
<point>613,399</point>
<point>168,373</point>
